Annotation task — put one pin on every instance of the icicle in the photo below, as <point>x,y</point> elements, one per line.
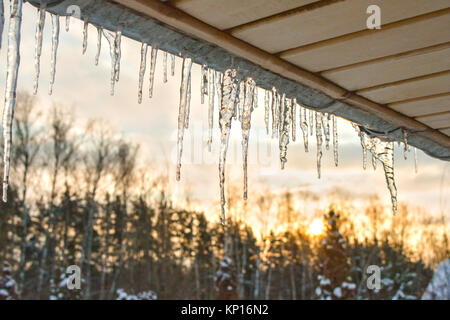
<point>99,45</point>
<point>218,83</point>
<point>12,70</point>
<point>241,99</point>
<point>416,166</point>
<point>374,162</point>
<point>188,105</point>
<point>2,21</point>
<point>118,52</point>
<point>165,66</point>
<point>143,65</point>
<point>67,23</point>
<point>304,127</point>
<point>405,143</point>
<point>211,91</point>
<point>294,118</point>
<point>154,53</point>
<point>266,109</point>
<point>186,74</point>
<point>55,43</point>
<point>326,129</point>
<point>275,111</point>
<point>111,37</point>
<point>311,122</point>
<point>172,65</point>
<point>85,34</point>
<point>364,150</point>
<point>285,115</point>
<point>226,112</point>
<point>246,125</point>
<point>383,151</point>
<point>255,98</point>
<point>318,117</point>
<point>203,83</point>
<point>335,140</point>
<point>38,48</point>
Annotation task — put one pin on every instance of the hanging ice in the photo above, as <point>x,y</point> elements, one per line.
<point>266,109</point>
<point>275,111</point>
<point>118,51</point>
<point>172,65</point>
<point>38,47</point>
<point>154,53</point>
<point>55,42</point>
<point>67,23</point>
<point>186,74</point>
<point>374,162</point>
<point>241,99</point>
<point>364,149</point>
<point>383,151</point>
<point>294,118</point>
<point>318,117</point>
<point>284,128</point>
<point>203,83</point>
<point>85,34</point>
<point>188,105</point>
<point>2,21</point>
<point>112,41</point>
<point>12,70</point>
<point>211,91</point>
<point>311,122</point>
<point>218,82</point>
<point>335,140</point>
<point>226,112</point>
<point>405,143</point>
<point>246,125</point>
<point>304,127</point>
<point>326,129</point>
<point>143,64</point>
<point>165,66</point>
<point>99,45</point>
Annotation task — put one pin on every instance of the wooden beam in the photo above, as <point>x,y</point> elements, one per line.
<point>189,25</point>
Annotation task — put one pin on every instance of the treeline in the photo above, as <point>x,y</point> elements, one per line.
<point>78,197</point>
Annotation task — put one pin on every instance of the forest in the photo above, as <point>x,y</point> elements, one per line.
<point>81,197</point>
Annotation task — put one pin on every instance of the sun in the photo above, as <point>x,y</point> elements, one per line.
<point>316,227</point>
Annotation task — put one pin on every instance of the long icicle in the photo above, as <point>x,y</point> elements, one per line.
<point>2,21</point>
<point>405,143</point>
<point>172,65</point>
<point>311,122</point>
<point>38,49</point>
<point>383,151</point>
<point>12,70</point>
<point>218,82</point>
<point>99,44</point>
<point>188,105</point>
<point>304,127</point>
<point>111,37</point>
<point>226,112</point>
<point>142,67</point>
<point>85,34</point>
<point>245,126</point>
<point>186,73</point>
<point>275,110</point>
<point>294,118</point>
<point>241,99</point>
<point>55,43</point>
<point>154,53</point>
<point>211,91</point>
<point>319,138</point>
<point>335,140</point>
<point>284,129</point>
<point>118,51</point>
<point>266,109</point>
<point>326,129</point>
<point>165,66</point>
<point>203,83</point>
<point>416,161</point>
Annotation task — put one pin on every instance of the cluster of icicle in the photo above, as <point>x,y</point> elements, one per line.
<point>237,99</point>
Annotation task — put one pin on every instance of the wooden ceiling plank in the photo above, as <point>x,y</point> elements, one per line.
<point>327,20</point>
<point>407,89</point>
<point>438,121</point>
<point>423,105</point>
<point>367,45</point>
<point>392,68</point>
<point>230,13</point>
<point>445,131</point>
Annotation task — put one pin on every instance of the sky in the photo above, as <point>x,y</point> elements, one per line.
<point>85,87</point>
